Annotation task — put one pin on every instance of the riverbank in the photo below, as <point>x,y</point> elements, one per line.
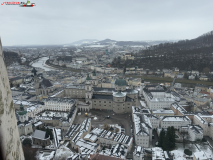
<point>61,68</point>
<point>40,63</point>
<point>169,80</point>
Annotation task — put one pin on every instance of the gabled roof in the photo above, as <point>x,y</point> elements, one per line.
<point>46,83</point>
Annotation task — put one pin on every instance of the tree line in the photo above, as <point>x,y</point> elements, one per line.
<point>167,139</point>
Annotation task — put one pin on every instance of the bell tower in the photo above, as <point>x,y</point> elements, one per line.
<point>142,86</point>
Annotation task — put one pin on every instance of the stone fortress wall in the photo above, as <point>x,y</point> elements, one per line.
<point>11,147</point>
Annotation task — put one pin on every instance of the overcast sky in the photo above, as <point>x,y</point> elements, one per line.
<point>66,21</point>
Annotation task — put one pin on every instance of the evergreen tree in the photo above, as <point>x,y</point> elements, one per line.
<point>166,142</point>
<point>172,137</point>
<point>161,138</point>
<point>169,139</point>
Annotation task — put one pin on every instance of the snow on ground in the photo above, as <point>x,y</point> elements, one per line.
<point>46,155</point>
<point>178,155</point>
<point>95,118</point>
<point>206,149</point>
<point>192,147</point>
<point>62,153</point>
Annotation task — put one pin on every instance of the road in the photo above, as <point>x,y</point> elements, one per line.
<point>154,132</point>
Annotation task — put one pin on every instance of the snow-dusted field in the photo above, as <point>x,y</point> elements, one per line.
<point>195,148</point>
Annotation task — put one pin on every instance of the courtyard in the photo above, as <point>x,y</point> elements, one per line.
<point>99,117</point>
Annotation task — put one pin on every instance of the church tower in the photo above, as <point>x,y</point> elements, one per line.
<point>88,90</point>
<point>36,80</point>
<point>94,77</point>
<point>142,86</point>
<point>22,114</point>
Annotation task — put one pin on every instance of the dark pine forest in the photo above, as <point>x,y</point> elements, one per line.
<point>194,54</point>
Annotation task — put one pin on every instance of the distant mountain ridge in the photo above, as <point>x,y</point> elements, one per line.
<point>119,43</point>
<point>83,41</point>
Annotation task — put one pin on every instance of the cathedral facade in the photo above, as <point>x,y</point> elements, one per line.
<point>118,99</point>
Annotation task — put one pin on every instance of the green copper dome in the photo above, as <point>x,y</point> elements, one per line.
<point>120,82</point>
<point>22,111</point>
<point>88,78</point>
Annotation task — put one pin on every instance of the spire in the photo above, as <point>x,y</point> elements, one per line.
<point>21,107</point>
<point>94,73</point>
<point>121,76</point>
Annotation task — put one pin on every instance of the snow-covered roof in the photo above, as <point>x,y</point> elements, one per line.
<point>163,111</point>
<point>72,130</point>
<point>139,110</point>
<point>175,118</point>
<point>119,94</point>
<point>142,124</point>
<point>85,125</point>
<point>59,100</point>
<point>157,153</point>
<point>91,137</point>
<point>117,137</point>
<point>86,144</point>
<point>139,151</point>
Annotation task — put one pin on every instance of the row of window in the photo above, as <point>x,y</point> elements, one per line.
<point>104,101</point>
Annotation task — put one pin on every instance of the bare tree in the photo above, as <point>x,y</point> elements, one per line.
<point>116,130</point>
<point>106,126</point>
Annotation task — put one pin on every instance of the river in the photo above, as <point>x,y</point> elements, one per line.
<point>41,64</point>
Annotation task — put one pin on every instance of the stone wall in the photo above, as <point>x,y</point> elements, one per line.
<point>10,144</point>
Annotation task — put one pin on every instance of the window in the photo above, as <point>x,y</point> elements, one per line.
<point>104,101</point>
<point>94,101</point>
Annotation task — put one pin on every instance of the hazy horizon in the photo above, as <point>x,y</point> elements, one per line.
<point>49,24</point>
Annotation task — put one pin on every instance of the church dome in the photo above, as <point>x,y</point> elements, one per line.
<point>88,78</point>
<point>120,82</point>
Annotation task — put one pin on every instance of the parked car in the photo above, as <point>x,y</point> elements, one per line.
<point>123,130</point>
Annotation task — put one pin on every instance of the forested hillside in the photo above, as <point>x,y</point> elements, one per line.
<point>195,54</point>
